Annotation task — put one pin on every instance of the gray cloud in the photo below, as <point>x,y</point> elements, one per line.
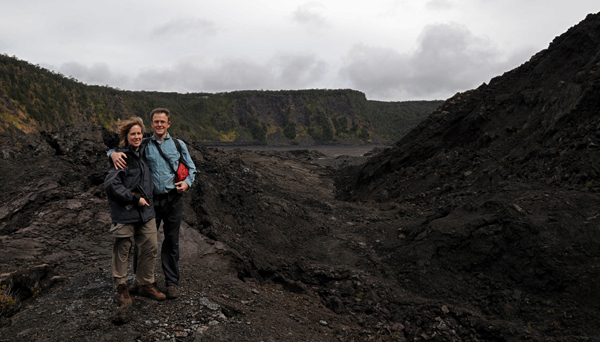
<point>191,77</point>
<point>375,70</point>
<point>284,71</point>
<point>186,26</point>
<point>98,73</point>
<point>295,71</point>
<point>392,9</point>
<point>449,58</point>
<point>131,41</point>
<point>438,5</point>
<point>233,74</point>
<point>311,14</point>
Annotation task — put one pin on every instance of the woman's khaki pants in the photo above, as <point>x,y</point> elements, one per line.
<point>143,234</point>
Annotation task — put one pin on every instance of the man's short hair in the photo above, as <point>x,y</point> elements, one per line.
<point>160,111</point>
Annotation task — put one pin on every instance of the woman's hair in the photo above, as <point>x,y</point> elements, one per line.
<point>126,127</point>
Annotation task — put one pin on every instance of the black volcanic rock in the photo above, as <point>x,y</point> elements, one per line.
<point>538,123</point>
<point>481,225</point>
<point>505,180</point>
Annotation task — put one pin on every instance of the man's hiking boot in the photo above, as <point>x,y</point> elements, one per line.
<point>151,291</point>
<point>173,292</point>
<point>123,294</point>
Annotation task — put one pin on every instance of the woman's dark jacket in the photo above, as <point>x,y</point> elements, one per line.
<point>121,185</point>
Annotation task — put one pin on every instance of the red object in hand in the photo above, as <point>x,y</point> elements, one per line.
<point>182,173</point>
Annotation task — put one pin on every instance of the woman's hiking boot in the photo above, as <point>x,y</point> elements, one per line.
<point>123,294</point>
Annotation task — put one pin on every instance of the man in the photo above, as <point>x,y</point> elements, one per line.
<point>168,202</point>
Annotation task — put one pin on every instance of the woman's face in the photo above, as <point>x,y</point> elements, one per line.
<point>135,135</point>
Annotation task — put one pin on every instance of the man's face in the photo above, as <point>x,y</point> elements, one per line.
<point>160,123</point>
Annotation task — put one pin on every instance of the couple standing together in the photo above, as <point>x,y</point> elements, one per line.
<point>142,193</point>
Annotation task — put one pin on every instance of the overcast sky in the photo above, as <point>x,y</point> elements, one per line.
<point>393,50</point>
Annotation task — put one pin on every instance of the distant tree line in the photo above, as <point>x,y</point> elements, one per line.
<point>33,98</point>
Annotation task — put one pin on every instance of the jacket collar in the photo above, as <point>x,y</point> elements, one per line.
<point>129,149</point>
<point>165,138</point>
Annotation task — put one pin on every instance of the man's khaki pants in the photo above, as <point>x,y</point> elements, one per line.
<point>143,234</point>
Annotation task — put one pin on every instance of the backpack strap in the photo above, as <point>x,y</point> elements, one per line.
<point>163,155</point>
<point>145,142</point>
<point>178,145</point>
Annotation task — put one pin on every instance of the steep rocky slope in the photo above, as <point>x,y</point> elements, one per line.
<point>539,122</point>
<point>505,178</point>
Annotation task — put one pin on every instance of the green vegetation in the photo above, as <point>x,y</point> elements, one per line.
<point>33,98</point>
<point>289,131</point>
<point>8,301</point>
<point>392,120</point>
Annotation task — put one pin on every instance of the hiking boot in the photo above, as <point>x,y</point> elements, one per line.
<point>123,294</point>
<point>123,314</point>
<point>151,291</point>
<point>173,292</point>
<point>134,287</point>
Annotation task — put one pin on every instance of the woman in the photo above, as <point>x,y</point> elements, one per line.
<point>129,193</point>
